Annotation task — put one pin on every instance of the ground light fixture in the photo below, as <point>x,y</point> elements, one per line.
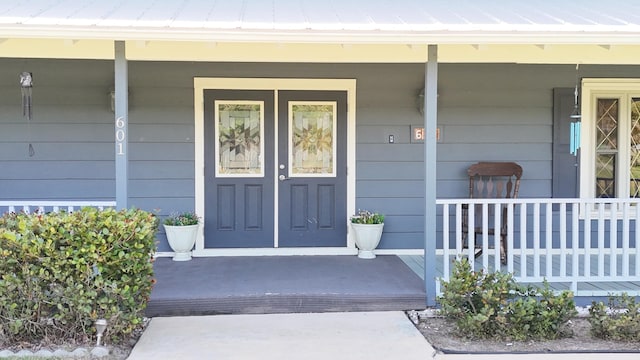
<point>101,326</point>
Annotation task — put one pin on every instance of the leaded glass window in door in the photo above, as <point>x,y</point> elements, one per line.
<point>239,126</point>
<point>312,129</point>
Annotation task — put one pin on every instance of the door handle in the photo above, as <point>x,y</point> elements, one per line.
<point>282,178</point>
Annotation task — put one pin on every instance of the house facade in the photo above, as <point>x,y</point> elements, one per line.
<point>276,121</point>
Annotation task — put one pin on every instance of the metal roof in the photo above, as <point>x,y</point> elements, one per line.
<point>356,21</point>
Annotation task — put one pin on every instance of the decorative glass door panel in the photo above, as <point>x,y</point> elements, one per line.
<point>240,128</point>
<point>312,176</point>
<point>312,128</point>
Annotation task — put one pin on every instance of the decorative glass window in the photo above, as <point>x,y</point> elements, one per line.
<point>610,157</point>
<point>312,146</point>
<point>239,126</point>
<point>606,146</point>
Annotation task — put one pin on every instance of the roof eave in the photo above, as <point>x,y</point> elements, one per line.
<point>440,36</point>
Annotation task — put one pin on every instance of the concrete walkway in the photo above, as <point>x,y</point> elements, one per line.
<point>335,336</point>
<point>321,336</point>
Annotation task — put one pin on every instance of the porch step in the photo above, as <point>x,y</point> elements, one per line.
<point>283,284</point>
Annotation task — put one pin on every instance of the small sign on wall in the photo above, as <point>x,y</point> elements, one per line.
<point>418,134</point>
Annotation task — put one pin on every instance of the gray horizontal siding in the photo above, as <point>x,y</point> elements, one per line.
<point>507,133</point>
<point>58,170</point>
<point>457,170</point>
<point>393,170</point>
<point>495,152</point>
<point>60,133</point>
<point>498,112</point>
<point>71,131</point>
<point>499,116</point>
<point>71,93</point>
<point>57,189</point>
<point>161,169</point>
<point>392,188</point>
<point>57,151</point>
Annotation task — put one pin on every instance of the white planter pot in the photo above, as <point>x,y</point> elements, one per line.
<point>367,238</point>
<point>181,239</point>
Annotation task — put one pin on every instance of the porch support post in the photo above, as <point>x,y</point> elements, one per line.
<point>121,124</point>
<point>430,125</point>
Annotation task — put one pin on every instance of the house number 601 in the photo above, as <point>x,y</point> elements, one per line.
<point>120,135</point>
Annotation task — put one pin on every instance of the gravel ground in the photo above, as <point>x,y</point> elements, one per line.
<point>77,351</point>
<point>443,336</point>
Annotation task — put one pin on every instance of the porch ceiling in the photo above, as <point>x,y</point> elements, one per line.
<point>321,53</point>
<point>537,31</point>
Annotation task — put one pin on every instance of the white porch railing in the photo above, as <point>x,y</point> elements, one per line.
<point>588,246</point>
<point>29,206</point>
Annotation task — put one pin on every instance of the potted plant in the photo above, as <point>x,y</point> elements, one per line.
<point>367,228</point>
<point>181,229</point>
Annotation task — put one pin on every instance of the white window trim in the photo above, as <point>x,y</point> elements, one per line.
<point>592,88</point>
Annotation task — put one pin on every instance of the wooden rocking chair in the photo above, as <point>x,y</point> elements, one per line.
<point>491,180</point>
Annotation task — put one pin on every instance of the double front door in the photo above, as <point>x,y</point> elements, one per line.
<point>275,168</point>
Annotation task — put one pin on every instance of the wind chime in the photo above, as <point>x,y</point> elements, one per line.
<point>26,85</point>
<point>574,141</point>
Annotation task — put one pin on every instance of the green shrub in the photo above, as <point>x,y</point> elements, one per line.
<point>62,271</point>
<point>492,305</point>
<point>619,320</point>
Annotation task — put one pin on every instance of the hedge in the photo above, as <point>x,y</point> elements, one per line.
<point>59,272</point>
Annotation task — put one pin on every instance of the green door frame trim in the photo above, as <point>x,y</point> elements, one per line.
<point>273,84</point>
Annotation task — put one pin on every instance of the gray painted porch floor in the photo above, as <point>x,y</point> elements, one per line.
<point>283,284</point>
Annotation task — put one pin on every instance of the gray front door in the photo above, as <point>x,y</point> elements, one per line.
<point>312,168</point>
<point>239,168</point>
<point>245,168</point>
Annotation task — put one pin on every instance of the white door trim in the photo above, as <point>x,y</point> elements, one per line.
<point>274,84</point>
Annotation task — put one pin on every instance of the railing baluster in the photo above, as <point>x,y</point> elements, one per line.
<point>575,239</point>
<point>445,238</point>
<point>485,234</point>
<point>563,239</point>
<point>471,236</point>
<point>613,239</point>
<point>625,238</point>
<point>509,249</point>
<point>458,230</point>
<point>587,240</point>
<point>548,239</point>
<point>601,234</point>
<point>637,242</point>
<point>536,239</point>
<point>497,238</point>
<point>523,240</point>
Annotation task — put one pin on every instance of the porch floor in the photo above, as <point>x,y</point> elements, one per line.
<point>283,284</point>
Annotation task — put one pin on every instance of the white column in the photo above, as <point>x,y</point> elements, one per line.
<point>121,125</point>
<point>430,124</point>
